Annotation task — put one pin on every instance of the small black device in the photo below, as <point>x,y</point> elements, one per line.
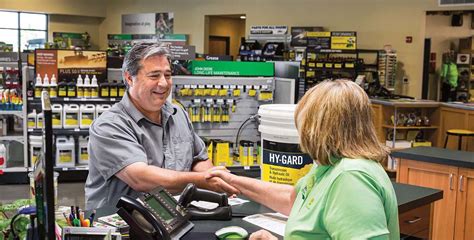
<point>155,215</point>
<point>191,193</point>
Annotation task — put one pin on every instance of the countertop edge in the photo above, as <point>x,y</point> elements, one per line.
<point>420,202</point>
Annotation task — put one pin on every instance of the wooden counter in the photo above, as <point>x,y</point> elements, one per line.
<point>451,171</point>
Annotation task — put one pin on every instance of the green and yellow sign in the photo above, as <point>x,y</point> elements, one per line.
<point>229,68</point>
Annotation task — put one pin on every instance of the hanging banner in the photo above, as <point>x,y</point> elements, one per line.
<point>227,68</point>
<point>148,23</point>
<point>69,64</point>
<point>332,40</point>
<point>275,30</point>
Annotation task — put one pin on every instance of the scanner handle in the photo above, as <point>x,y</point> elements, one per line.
<point>192,193</point>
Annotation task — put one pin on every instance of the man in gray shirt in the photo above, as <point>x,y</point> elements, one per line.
<point>144,141</point>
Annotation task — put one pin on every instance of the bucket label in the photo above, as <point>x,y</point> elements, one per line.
<point>84,154</point>
<point>284,162</point>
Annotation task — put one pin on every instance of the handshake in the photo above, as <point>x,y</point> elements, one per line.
<point>219,179</point>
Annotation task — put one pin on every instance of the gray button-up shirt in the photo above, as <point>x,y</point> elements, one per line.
<point>123,135</point>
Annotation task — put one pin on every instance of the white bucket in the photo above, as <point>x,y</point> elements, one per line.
<point>36,146</point>
<point>39,120</point>
<point>32,119</point>
<point>57,115</point>
<point>71,116</point>
<point>83,150</point>
<point>65,153</point>
<point>281,160</point>
<point>86,115</point>
<point>101,109</point>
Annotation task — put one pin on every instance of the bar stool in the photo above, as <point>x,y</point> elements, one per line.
<point>459,133</point>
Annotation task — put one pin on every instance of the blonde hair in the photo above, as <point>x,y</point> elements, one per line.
<point>334,119</point>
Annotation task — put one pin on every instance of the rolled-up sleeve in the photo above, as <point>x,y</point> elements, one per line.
<point>112,147</point>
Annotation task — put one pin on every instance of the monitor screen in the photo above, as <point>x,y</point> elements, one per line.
<point>168,199</point>
<point>159,209</point>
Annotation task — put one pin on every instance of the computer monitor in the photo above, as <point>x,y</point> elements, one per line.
<point>44,178</point>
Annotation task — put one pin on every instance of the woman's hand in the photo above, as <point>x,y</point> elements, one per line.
<point>221,173</point>
<point>262,235</point>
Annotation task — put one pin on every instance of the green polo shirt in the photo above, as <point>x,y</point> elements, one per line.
<point>353,199</point>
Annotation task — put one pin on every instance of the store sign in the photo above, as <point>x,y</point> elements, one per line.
<point>228,68</point>
<point>179,52</point>
<point>332,40</point>
<point>275,30</point>
<point>208,57</point>
<point>68,64</point>
<point>148,23</point>
<point>298,35</point>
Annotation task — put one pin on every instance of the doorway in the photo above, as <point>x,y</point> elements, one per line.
<point>223,34</point>
<point>219,45</point>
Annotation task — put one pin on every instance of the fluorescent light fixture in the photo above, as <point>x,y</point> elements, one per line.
<point>243,17</point>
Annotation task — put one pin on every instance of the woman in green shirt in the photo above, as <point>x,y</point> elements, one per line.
<point>347,194</point>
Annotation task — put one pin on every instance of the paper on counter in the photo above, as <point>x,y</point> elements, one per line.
<point>274,222</point>
<point>211,205</point>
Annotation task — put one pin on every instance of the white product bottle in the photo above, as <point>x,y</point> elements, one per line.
<point>80,87</point>
<point>71,116</point>
<point>101,109</point>
<point>86,115</point>
<point>94,89</point>
<point>45,80</point>
<point>57,115</point>
<point>53,90</point>
<point>83,150</point>
<point>87,85</point>
<point>32,119</point>
<point>65,152</point>
<point>38,86</point>
<point>36,145</point>
<point>39,120</point>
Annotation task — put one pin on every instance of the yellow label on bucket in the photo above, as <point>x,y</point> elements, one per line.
<point>283,162</point>
<point>65,156</point>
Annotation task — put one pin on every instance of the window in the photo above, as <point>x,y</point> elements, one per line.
<point>26,31</point>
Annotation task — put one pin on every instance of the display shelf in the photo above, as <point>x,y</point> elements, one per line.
<point>12,112</point>
<point>18,138</point>
<point>76,100</point>
<point>15,169</point>
<point>72,131</point>
<point>408,128</point>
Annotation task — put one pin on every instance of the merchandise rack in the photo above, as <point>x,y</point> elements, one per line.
<point>316,65</point>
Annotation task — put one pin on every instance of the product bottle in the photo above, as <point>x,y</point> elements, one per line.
<point>87,85</point>
<point>71,89</point>
<point>104,89</point>
<point>45,82</point>
<point>94,87</point>
<point>62,88</point>
<point>38,86</point>
<point>53,89</point>
<point>80,87</point>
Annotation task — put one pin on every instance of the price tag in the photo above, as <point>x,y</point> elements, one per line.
<point>197,100</point>
<point>66,99</point>
<point>240,87</point>
<point>256,87</point>
<point>112,99</point>
<point>83,99</point>
<point>220,100</point>
<point>209,100</point>
<point>226,86</point>
<point>202,86</point>
<point>232,86</point>
<point>193,86</point>
<point>30,130</point>
<point>246,167</point>
<point>209,86</point>
<point>248,87</point>
<point>187,86</point>
<point>217,86</point>
<point>77,129</point>
<point>65,168</point>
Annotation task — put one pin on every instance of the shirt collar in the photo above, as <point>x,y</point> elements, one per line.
<point>166,111</point>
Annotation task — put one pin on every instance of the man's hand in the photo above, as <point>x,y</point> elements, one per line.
<point>262,235</point>
<point>216,184</point>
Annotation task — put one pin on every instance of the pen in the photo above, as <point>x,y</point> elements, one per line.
<point>72,212</point>
<point>91,218</point>
<point>77,212</point>
<point>67,219</point>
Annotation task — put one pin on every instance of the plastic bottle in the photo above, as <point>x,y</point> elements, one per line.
<point>57,115</point>
<point>65,152</point>
<point>71,89</point>
<point>86,115</point>
<point>104,89</point>
<point>36,145</point>
<point>83,150</point>
<point>87,85</point>
<point>39,120</point>
<point>113,89</point>
<point>38,86</point>
<point>121,89</point>
<point>101,109</point>
<point>32,119</point>
<point>53,87</point>
<point>80,87</point>
<point>94,89</point>
<point>71,116</point>
<point>62,89</point>
<point>45,83</point>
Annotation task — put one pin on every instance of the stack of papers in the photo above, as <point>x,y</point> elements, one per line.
<point>274,222</point>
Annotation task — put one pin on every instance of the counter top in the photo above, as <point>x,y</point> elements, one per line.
<point>464,106</point>
<point>410,197</point>
<point>405,102</point>
<point>437,155</point>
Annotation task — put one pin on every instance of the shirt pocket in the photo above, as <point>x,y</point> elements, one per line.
<point>182,152</point>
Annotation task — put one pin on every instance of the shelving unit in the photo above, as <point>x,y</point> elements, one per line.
<point>322,64</point>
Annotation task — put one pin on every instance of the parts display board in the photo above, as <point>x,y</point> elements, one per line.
<point>68,64</point>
